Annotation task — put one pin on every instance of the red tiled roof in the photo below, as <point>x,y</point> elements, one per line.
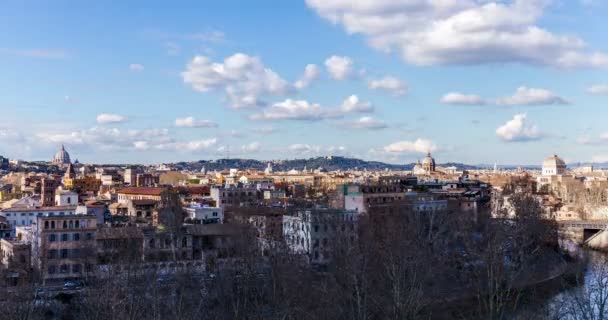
<point>148,191</point>
<point>26,209</point>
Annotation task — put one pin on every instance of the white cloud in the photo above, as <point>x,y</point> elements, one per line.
<point>303,148</point>
<point>525,96</point>
<point>136,67</point>
<point>434,32</point>
<point>191,146</point>
<point>390,84</point>
<point>458,98</point>
<point>243,78</point>
<point>208,36</point>
<point>417,146</point>
<point>352,104</point>
<point>265,130</point>
<point>518,129</point>
<point>251,148</point>
<point>598,89</point>
<point>599,158</point>
<point>368,123</point>
<point>103,138</point>
<point>311,73</point>
<point>339,67</point>
<point>191,122</point>
<point>105,118</point>
<point>294,110</point>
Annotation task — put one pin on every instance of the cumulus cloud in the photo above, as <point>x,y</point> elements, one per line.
<point>311,73</point>
<point>457,98</point>
<point>518,129</point>
<point>404,147</point>
<point>303,148</point>
<point>339,67</point>
<point>525,96</point>
<point>136,67</point>
<point>243,78</point>
<point>294,110</point>
<point>251,148</point>
<point>353,104</point>
<point>191,146</point>
<point>428,32</point>
<point>191,122</point>
<point>368,123</point>
<point>390,84</point>
<point>598,89</point>
<point>116,139</point>
<point>105,118</point>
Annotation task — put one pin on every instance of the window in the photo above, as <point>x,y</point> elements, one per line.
<point>89,236</point>
<point>77,224</point>
<point>65,237</point>
<point>65,224</point>
<point>52,254</point>
<point>215,214</point>
<point>52,237</point>
<point>63,253</point>
<point>184,242</point>
<point>8,214</point>
<point>69,200</point>
<point>76,268</point>
<point>76,237</point>
<point>51,270</point>
<point>31,213</point>
<point>46,224</point>
<point>63,268</point>
<point>151,243</point>
<point>23,214</point>
<point>71,224</point>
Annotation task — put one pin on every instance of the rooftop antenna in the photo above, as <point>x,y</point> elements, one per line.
<point>228,152</point>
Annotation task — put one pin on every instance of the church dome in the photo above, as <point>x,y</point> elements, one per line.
<point>428,160</point>
<point>554,162</point>
<point>61,157</point>
<point>553,165</point>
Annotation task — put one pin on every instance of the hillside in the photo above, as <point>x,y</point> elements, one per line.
<point>328,163</point>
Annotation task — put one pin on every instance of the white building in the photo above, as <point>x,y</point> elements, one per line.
<point>553,166</point>
<point>315,232</point>
<point>26,216</point>
<point>66,198</point>
<point>205,215</point>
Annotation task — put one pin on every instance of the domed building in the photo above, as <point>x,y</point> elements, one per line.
<point>61,158</point>
<point>418,170</point>
<point>428,163</point>
<point>553,165</point>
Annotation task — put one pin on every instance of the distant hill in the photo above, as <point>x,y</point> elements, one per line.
<point>328,163</point>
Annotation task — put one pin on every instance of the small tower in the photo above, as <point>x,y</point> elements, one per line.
<point>268,169</point>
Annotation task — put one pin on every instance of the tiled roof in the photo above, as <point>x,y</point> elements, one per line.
<point>148,191</point>
<point>33,209</point>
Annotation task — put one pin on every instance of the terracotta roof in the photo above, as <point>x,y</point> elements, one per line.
<point>148,191</point>
<point>26,209</point>
<point>144,202</point>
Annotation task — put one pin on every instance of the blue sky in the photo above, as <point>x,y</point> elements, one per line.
<point>149,82</point>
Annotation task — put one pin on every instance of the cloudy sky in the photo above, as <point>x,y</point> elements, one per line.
<point>473,81</point>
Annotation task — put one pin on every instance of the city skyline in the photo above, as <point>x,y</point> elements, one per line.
<point>133,83</point>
